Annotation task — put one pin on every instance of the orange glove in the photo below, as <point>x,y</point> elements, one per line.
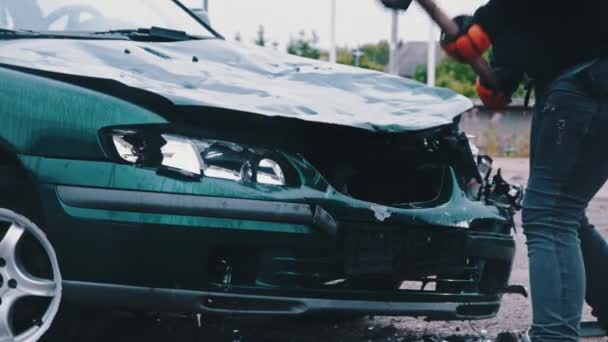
<point>471,44</point>
<point>493,100</point>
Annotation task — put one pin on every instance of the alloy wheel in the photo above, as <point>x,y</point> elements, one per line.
<point>18,283</point>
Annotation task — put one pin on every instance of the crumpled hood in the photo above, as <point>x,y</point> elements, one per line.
<point>216,73</point>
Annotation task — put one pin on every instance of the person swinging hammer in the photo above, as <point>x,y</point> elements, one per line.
<point>563,46</point>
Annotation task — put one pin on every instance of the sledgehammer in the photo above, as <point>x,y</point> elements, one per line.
<point>451,30</point>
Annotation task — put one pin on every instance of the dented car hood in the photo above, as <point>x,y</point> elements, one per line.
<point>219,74</point>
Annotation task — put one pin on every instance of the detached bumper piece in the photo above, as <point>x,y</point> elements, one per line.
<point>245,305</point>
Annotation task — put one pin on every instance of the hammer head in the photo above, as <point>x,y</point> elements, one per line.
<point>397,4</point>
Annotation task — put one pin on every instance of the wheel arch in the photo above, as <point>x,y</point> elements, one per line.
<point>7,150</point>
<point>14,174</point>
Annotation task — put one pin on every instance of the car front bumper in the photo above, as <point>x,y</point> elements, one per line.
<point>279,287</point>
<point>131,238</point>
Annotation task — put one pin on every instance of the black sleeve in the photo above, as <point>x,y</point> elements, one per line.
<point>497,15</point>
<point>508,79</point>
<point>509,58</point>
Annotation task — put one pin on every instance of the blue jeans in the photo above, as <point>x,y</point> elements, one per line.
<point>568,165</point>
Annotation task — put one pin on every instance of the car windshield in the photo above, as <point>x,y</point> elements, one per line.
<point>97,16</point>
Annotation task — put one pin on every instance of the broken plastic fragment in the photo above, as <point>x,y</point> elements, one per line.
<point>461,224</point>
<point>381,212</point>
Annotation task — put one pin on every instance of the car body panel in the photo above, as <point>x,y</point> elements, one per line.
<point>458,211</point>
<point>52,118</point>
<point>245,79</point>
<point>147,247</point>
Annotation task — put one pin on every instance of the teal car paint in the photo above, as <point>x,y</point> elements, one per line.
<point>41,116</point>
<point>258,81</point>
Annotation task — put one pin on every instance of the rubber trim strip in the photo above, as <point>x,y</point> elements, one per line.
<point>186,205</point>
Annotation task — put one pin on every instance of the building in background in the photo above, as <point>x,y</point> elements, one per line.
<point>411,55</point>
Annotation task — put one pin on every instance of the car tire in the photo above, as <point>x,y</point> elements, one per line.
<point>30,279</point>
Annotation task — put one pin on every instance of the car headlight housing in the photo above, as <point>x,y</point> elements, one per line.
<point>196,157</point>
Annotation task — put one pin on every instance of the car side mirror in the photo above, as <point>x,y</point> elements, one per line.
<point>202,15</point>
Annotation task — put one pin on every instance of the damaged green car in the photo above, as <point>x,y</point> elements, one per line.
<point>147,164</point>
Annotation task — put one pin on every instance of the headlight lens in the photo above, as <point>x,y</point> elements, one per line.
<point>124,149</point>
<point>199,157</point>
<point>226,161</point>
<point>181,154</point>
<point>269,172</point>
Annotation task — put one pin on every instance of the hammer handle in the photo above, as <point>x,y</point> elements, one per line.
<point>452,31</point>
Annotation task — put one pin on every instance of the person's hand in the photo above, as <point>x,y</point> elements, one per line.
<point>492,99</point>
<point>472,42</point>
<point>397,4</point>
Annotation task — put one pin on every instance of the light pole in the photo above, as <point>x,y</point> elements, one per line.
<point>332,30</point>
<point>206,5</point>
<point>393,65</point>
<point>431,62</point>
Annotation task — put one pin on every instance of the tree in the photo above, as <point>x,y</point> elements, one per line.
<point>458,77</point>
<point>345,56</point>
<point>453,75</point>
<point>377,54</point>
<point>261,40</point>
<point>304,46</point>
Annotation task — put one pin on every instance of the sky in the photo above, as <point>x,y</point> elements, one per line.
<point>358,21</point>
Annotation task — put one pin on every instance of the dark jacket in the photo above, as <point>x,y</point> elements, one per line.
<point>556,34</point>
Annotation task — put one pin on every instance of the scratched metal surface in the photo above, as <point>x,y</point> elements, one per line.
<point>216,73</point>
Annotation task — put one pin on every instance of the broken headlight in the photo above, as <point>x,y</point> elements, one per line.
<point>195,158</point>
<point>474,148</point>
